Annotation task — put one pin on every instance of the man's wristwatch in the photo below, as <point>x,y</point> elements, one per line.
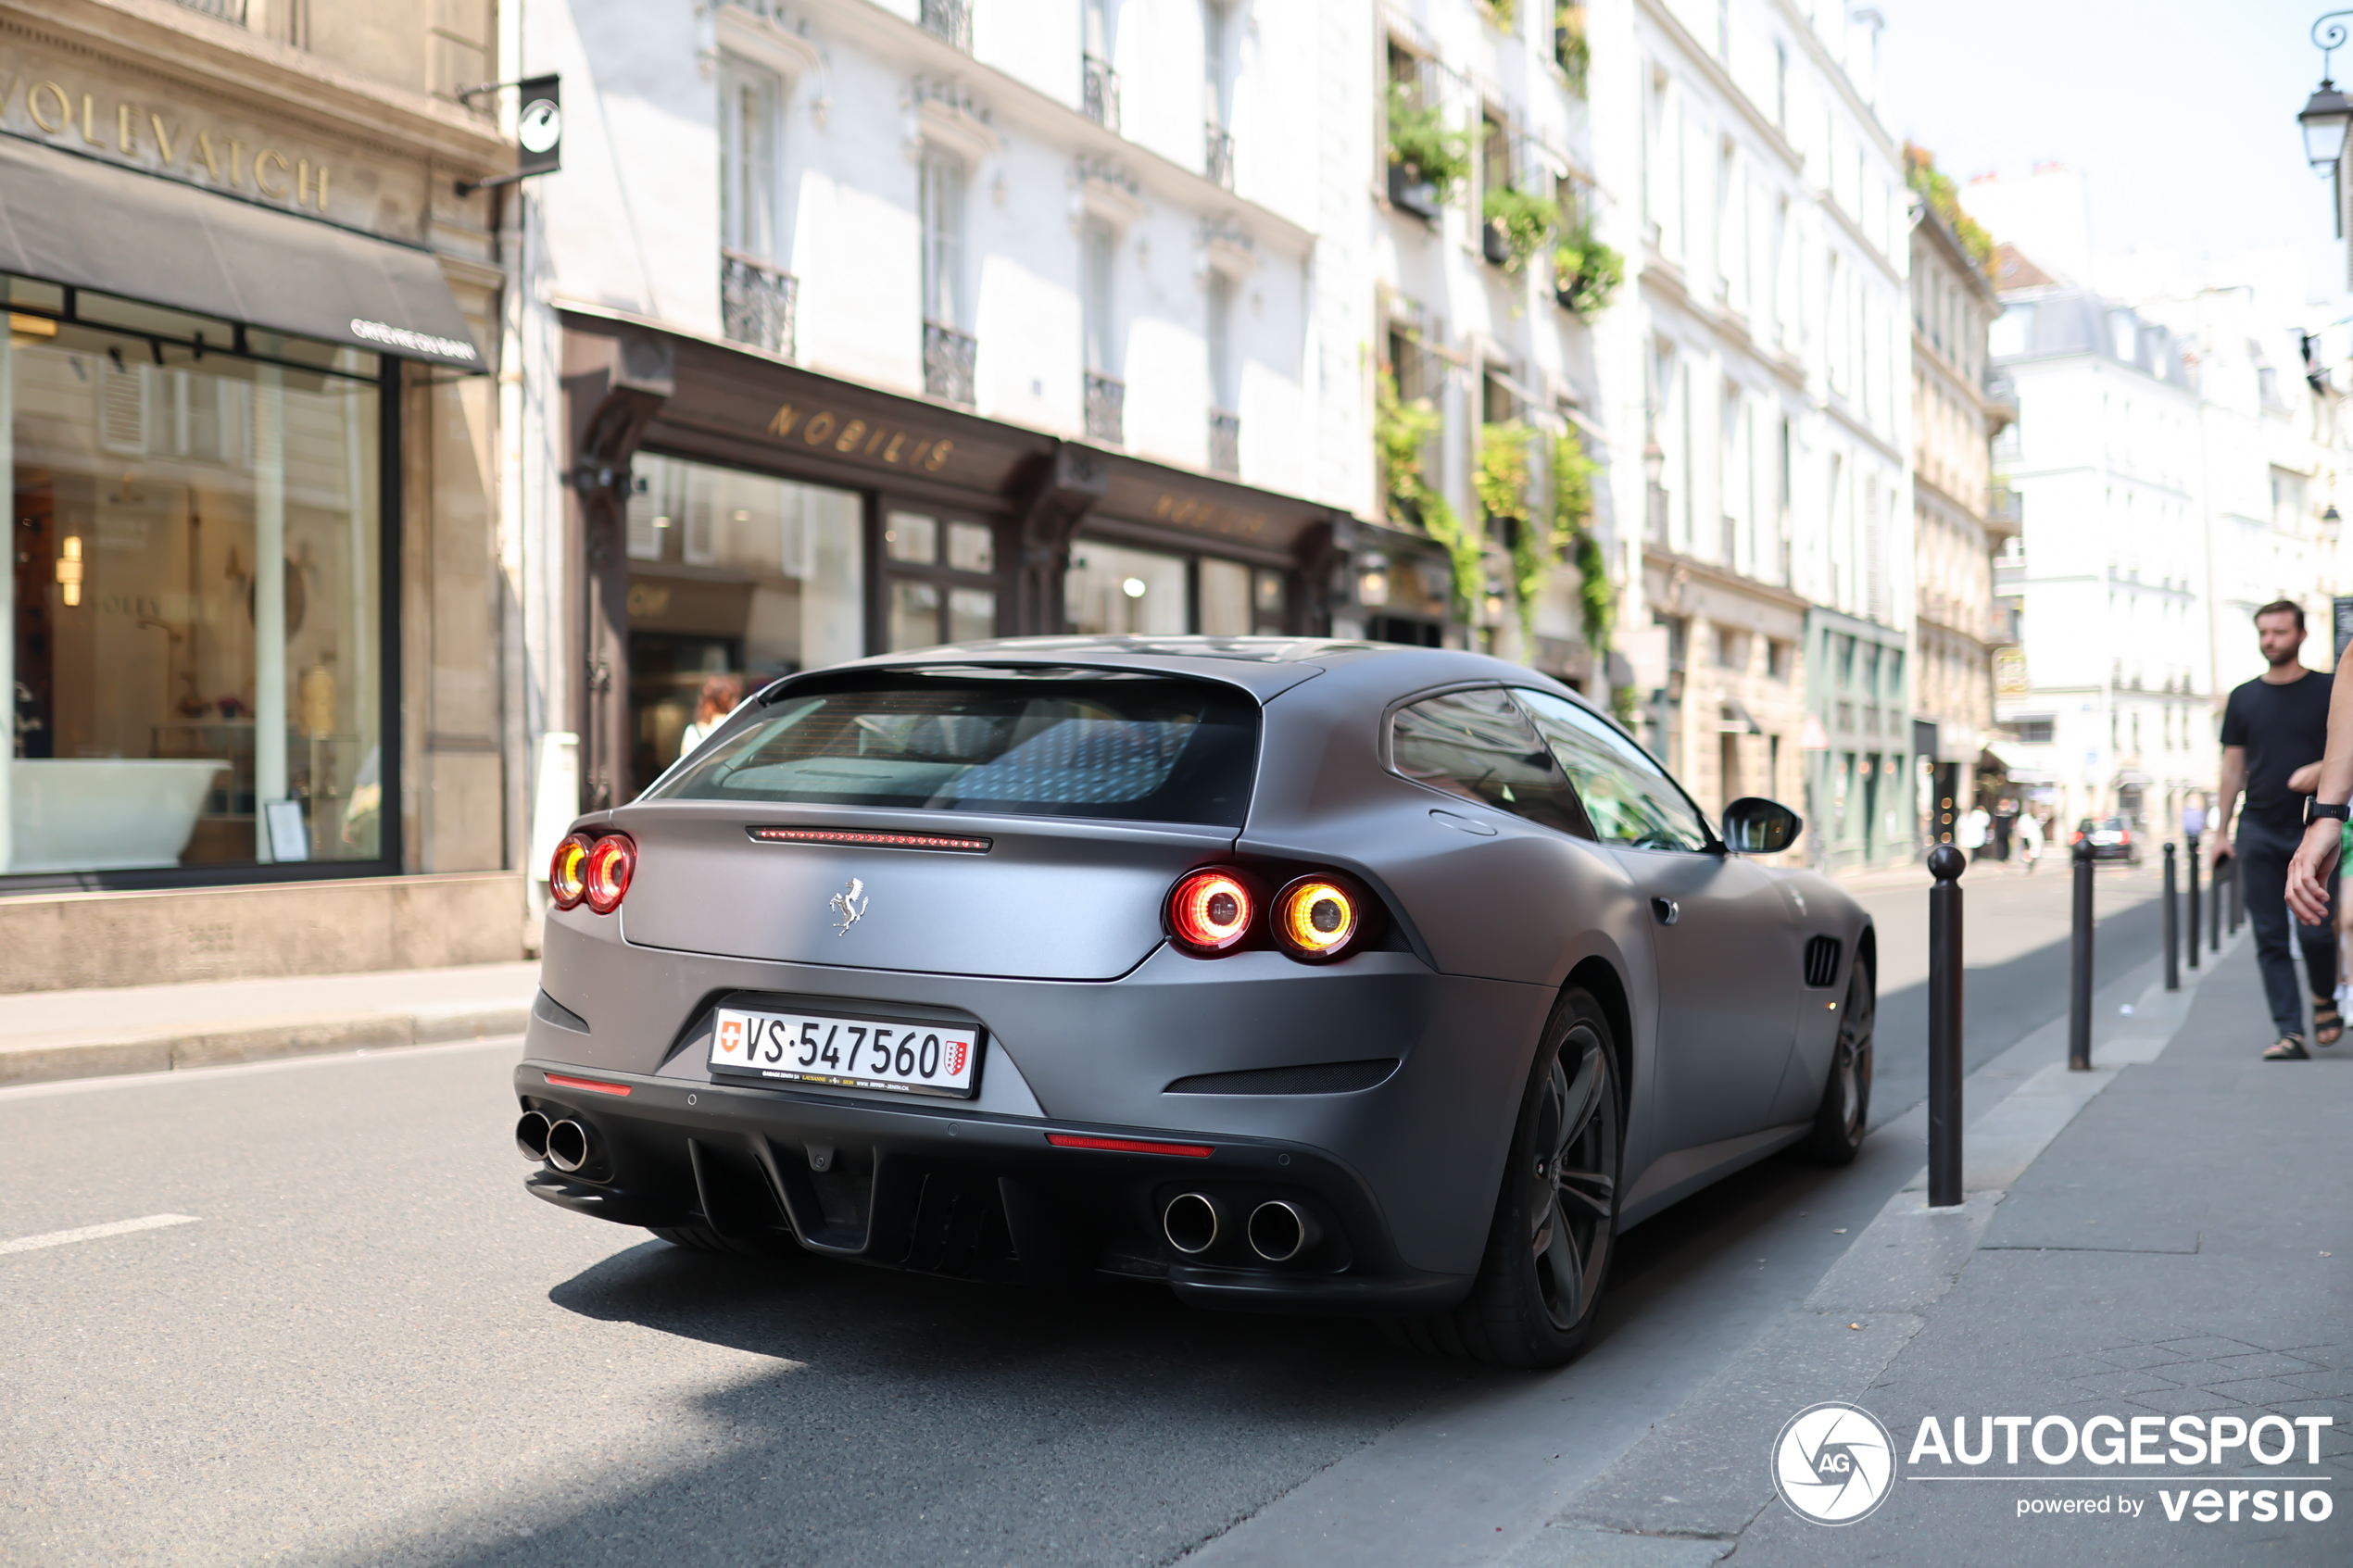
<point>2315,812</point>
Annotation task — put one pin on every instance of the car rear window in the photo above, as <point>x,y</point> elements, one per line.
<point>1122,744</point>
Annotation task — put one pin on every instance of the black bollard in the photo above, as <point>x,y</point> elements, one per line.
<point>2193,900</point>
<point>1944,974</point>
<point>2172,928</point>
<point>2079,973</point>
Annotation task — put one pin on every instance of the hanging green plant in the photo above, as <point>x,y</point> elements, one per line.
<point>1420,139</point>
<point>1586,273</point>
<point>1568,44</point>
<point>1504,13</point>
<point>1464,550</point>
<point>1524,221</point>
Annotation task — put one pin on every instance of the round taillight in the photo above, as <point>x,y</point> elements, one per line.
<point>606,876</point>
<point>1320,916</point>
<point>567,882</point>
<point>1210,911</point>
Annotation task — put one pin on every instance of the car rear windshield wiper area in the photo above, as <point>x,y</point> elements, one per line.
<point>1070,744</point>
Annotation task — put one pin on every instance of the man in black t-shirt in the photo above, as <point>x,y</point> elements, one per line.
<point>2274,733</point>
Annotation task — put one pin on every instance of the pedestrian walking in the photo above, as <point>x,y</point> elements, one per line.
<point>720,696</point>
<point>1971,833</point>
<point>2275,731</point>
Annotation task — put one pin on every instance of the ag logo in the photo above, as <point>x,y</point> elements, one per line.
<point>731,1035</point>
<point>1834,1463</point>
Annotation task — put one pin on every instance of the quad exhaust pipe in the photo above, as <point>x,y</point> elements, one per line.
<point>567,1146</point>
<point>561,1144</point>
<point>1194,1221</point>
<point>1276,1231</point>
<point>1279,1231</point>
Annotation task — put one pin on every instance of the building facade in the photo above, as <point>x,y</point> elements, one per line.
<point>254,637</point>
<point>1762,356</point>
<point>2113,707</point>
<point>1960,521</point>
<point>865,327</point>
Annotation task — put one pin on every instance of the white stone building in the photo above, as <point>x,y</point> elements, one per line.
<point>852,325</point>
<point>1763,358</point>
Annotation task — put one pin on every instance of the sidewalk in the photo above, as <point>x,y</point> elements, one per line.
<point>2165,1236</point>
<point>52,1035</point>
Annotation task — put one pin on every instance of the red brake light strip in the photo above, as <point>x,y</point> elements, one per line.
<point>560,1081</point>
<point>1130,1146</point>
<point>872,840</point>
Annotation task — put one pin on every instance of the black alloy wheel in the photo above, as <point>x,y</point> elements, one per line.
<point>1548,1252</point>
<point>1846,1112</point>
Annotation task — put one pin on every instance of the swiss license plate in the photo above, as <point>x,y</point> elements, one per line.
<point>848,1053</point>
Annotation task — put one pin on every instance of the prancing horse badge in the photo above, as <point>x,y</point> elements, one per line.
<point>849,906</point>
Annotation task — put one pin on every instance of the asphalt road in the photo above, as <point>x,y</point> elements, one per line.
<point>369,1346</point>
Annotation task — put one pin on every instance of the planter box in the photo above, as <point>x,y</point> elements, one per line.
<point>1408,192</point>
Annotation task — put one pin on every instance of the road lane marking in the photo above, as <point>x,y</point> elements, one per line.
<point>92,1233</point>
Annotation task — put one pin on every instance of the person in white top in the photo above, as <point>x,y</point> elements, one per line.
<point>720,696</point>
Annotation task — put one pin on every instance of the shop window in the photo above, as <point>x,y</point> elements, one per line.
<point>943,586</point>
<point>732,575</point>
<point>1116,590</point>
<point>195,641</point>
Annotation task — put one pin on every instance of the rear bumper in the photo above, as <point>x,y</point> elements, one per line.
<point>944,1189</point>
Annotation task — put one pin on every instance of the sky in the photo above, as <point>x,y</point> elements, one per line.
<point>2180,115</point>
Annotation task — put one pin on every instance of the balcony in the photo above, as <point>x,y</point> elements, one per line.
<point>756,304</point>
<point>948,363</point>
<point>1106,409</point>
<point>231,11</point>
<point>1225,443</point>
<point>2004,513</point>
<point>1218,159</point>
<point>1101,93</point>
<point>950,19</point>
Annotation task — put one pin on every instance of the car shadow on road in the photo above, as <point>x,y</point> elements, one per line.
<point>900,1418</point>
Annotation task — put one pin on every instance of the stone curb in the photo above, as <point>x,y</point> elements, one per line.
<point>41,1059</point>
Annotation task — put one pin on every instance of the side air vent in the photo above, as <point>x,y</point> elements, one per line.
<point>1822,961</point>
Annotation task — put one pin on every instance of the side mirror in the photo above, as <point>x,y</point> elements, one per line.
<point>1757,826</point>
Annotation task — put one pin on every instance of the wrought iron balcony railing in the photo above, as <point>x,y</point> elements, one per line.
<point>1106,409</point>
<point>948,363</point>
<point>950,19</point>
<point>1218,161</point>
<point>1225,443</point>
<point>1102,99</point>
<point>756,304</point>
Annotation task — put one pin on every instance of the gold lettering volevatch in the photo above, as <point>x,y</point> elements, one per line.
<point>155,139</point>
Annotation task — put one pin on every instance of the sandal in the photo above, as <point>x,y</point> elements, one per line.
<point>2328,1025</point>
<point>2290,1048</point>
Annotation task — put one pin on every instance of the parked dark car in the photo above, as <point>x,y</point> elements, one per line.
<point>1302,976</point>
<point>2112,838</point>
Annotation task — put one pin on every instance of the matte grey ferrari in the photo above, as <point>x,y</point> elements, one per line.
<point>1312,976</point>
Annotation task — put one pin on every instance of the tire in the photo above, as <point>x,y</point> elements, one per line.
<point>1548,1252</point>
<point>1844,1114</point>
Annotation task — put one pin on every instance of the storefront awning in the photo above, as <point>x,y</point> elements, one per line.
<point>91,224</point>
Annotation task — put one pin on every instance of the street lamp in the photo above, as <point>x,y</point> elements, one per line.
<point>2326,114</point>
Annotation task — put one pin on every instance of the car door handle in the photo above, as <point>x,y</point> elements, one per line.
<point>1666,910</point>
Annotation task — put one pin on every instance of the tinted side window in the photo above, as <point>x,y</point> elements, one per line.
<point>1629,798</point>
<point>1477,745</point>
